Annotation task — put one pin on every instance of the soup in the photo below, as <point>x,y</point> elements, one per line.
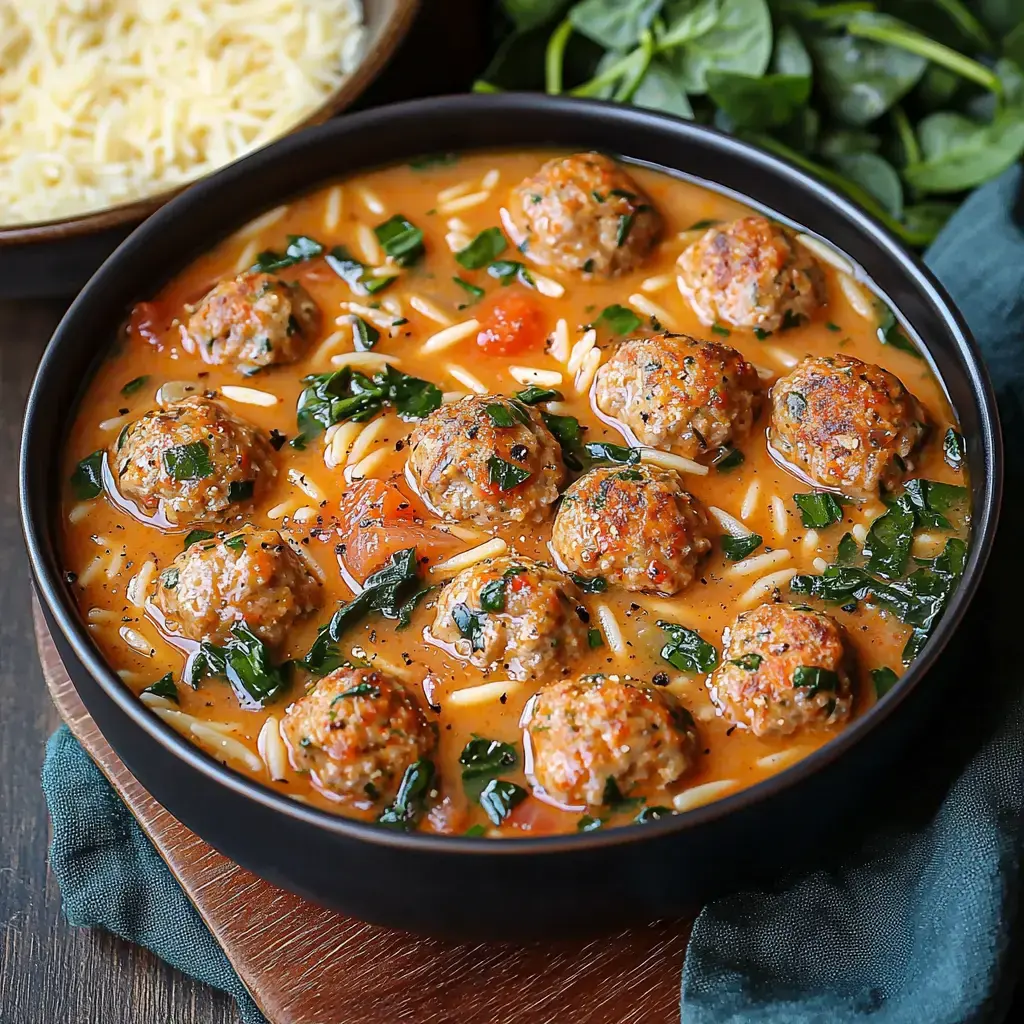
<point>513,494</point>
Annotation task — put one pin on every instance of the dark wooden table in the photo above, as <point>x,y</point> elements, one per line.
<point>51,973</point>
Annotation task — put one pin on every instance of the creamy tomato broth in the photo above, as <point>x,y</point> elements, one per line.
<point>725,524</point>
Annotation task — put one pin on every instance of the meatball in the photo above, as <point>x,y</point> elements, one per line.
<point>193,460</point>
<point>253,321</point>
<point>673,391</point>
<point>846,424</point>
<point>583,213</point>
<point>356,732</point>
<point>783,668</point>
<point>750,273</point>
<point>521,614</point>
<point>594,740</point>
<point>488,459</point>
<point>635,526</point>
<point>249,576</point>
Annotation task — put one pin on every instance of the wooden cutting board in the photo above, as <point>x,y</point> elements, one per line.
<point>307,965</point>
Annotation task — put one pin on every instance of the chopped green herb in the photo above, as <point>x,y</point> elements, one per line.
<point>245,661</point>
<point>346,394</point>
<point>619,319</point>
<point>363,689</point>
<point>594,638</point>
<point>625,227</point>
<point>507,271</point>
<point>890,333</point>
<point>717,328</point>
<point>686,650</point>
<point>475,831</point>
<point>410,803</point>
<point>473,291</point>
<point>703,225</point>
<point>760,333</point>
<point>727,459</point>
<point>847,552</point>
<point>818,509</point>
<point>241,490</point>
<point>482,761</point>
<point>364,335</point>
<point>599,452</point>
<point>134,385</point>
<point>884,679</point>
<point>505,475</point>
<point>748,662</point>
<point>87,479</point>
<point>500,415</point>
<point>236,543</point>
<point>484,249</point>
<point>791,320</point>
<point>360,278</point>
<point>813,678</point>
<point>164,687</point>
<point>400,239</point>
<point>499,797</point>
<point>300,249</point>
<point>589,584</point>
<point>194,536</point>
<point>569,435</point>
<point>534,395</point>
<point>831,326</point>
<point>736,548</point>
<point>470,625</point>
<point>953,448</point>
<point>188,461</point>
<point>653,814</point>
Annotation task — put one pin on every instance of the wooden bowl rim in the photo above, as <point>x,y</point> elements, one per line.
<point>390,36</point>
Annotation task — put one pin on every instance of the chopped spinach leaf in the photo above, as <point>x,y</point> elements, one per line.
<point>760,333</point>
<point>726,459</point>
<point>818,509</point>
<point>890,333</point>
<point>603,452</point>
<point>813,678</point>
<point>717,328</point>
<point>363,689</point>
<point>507,271</point>
<point>195,536</point>
<point>356,275</point>
<point>346,394</point>
<point>748,662</point>
<point>164,687</point>
<point>484,249</point>
<point>953,448</point>
<point>408,606</point>
<point>703,225</point>
<point>188,461</point>
<point>534,395</point>
<point>500,415</point>
<point>653,814</point>
<point>364,335</point>
<point>736,548</point>
<point>482,761</point>
<point>475,831</point>
<point>847,552</point>
<point>410,803</point>
<point>499,797</point>
<point>619,319</point>
<point>625,227</point>
<point>245,661</point>
<point>594,638</point>
<point>470,625</point>
<point>87,479</point>
<point>505,475</point>
<point>473,291</point>
<point>300,249</point>
<point>236,543</point>
<point>241,490</point>
<point>400,239</point>
<point>134,385</point>
<point>686,650</point>
<point>589,584</point>
<point>884,679</point>
<point>569,435</point>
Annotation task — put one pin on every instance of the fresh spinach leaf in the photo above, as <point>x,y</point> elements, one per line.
<point>737,548</point>
<point>410,802</point>
<point>619,319</point>
<point>599,453</point>
<point>534,395</point>
<point>884,679</point>
<point>589,584</point>
<point>748,662</point>
<point>241,490</point>
<point>484,249</point>
<point>245,661</point>
<point>614,24</point>
<point>686,650</point>
<point>758,102</point>
<point>473,291</point>
<point>164,687</point>
<point>188,461</point>
<point>818,509</point>
<point>505,475</point>
<point>135,384</point>
<point>364,335</point>
<point>482,761</point>
<point>356,275</point>
<point>300,249</point>
<point>87,478</point>
<point>507,271</point>
<point>195,536</point>
<point>726,459</point>
<point>499,798</point>
<point>890,333</point>
<point>569,435</point>
<point>953,448</point>
<point>400,239</point>
<point>470,625</point>
<point>813,678</point>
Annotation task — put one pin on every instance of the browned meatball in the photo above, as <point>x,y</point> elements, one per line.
<point>784,668</point>
<point>356,732</point>
<point>252,321</point>
<point>515,613</point>
<point>488,459</point>
<point>636,526</point>
<point>846,424</point>
<point>750,273</point>
<point>249,576</point>
<point>193,460</point>
<point>673,391</point>
<point>584,213</point>
<point>593,740</point>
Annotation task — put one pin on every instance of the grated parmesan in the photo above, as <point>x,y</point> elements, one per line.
<point>107,101</point>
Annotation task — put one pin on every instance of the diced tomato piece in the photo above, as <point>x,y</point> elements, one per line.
<point>513,324</point>
<point>533,815</point>
<point>376,519</point>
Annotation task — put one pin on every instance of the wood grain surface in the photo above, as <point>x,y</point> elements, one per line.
<point>307,965</point>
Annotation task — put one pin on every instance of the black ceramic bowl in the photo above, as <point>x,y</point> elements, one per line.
<point>460,886</point>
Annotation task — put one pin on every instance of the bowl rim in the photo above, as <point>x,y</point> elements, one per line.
<point>381,49</point>
<point>37,522</point>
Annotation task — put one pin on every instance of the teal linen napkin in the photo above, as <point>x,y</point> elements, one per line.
<point>913,927</point>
